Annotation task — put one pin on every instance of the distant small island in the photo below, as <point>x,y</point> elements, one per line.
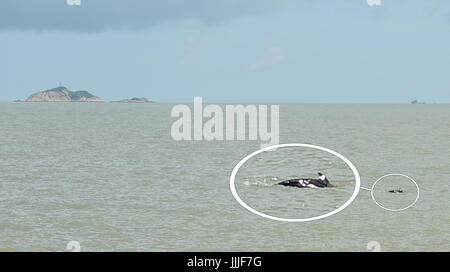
<point>61,94</point>
<point>417,102</point>
<point>134,100</point>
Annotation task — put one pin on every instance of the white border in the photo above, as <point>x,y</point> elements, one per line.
<point>395,210</point>
<point>243,204</point>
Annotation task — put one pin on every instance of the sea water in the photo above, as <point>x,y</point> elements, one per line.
<point>110,177</point>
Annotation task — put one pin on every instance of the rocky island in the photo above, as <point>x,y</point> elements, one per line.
<point>134,100</point>
<point>62,94</point>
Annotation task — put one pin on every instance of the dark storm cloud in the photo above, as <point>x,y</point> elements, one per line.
<point>100,15</point>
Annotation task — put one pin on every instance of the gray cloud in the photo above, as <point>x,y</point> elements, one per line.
<point>101,15</point>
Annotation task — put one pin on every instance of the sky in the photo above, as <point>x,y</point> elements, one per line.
<point>229,51</point>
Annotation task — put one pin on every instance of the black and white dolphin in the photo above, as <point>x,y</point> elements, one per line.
<point>321,182</point>
<point>399,190</point>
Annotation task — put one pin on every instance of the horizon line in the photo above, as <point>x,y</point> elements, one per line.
<point>229,102</point>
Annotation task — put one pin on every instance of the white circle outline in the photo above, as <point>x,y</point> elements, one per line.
<point>243,204</point>
<point>389,209</point>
